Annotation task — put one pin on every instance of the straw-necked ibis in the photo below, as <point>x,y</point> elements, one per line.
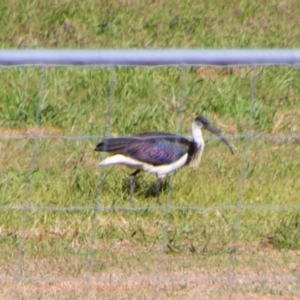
<point>158,152</point>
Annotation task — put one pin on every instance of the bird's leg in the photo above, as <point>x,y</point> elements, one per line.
<point>132,181</point>
<point>157,186</point>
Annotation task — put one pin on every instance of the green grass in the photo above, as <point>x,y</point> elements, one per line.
<point>52,173</point>
<point>129,24</point>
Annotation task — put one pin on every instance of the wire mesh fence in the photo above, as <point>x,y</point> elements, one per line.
<point>228,230</point>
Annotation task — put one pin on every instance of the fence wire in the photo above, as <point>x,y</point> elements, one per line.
<point>230,279</point>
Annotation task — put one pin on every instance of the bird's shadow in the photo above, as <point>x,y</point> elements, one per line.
<point>144,187</point>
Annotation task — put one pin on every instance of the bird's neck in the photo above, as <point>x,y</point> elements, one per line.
<point>198,146</point>
<point>197,135</point>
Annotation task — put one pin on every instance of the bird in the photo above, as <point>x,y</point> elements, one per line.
<point>158,152</point>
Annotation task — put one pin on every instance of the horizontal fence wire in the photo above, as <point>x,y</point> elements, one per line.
<point>145,208</point>
<point>197,279</point>
<point>262,136</point>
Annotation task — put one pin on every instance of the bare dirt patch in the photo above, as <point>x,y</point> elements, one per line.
<point>255,272</point>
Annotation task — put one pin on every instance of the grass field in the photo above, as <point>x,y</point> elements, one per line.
<point>228,230</point>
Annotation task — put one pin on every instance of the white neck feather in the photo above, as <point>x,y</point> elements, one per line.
<point>197,134</point>
<point>198,139</point>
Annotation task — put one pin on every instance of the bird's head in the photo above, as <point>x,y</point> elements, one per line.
<point>203,123</point>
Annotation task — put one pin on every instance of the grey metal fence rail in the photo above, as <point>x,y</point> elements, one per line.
<point>221,57</point>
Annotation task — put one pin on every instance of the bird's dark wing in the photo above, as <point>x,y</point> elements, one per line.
<point>155,148</point>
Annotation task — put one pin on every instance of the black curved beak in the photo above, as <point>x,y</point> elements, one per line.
<point>219,134</point>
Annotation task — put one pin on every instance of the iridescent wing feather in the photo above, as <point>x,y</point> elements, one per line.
<point>155,148</point>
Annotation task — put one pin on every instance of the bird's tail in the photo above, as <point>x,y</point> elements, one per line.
<point>114,145</point>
